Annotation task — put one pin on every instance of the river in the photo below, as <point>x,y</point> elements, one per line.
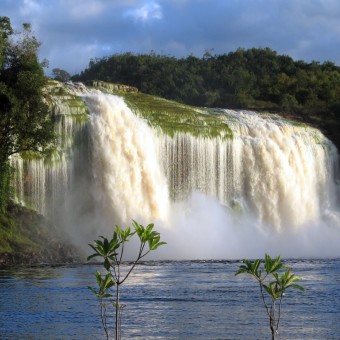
<point>168,300</point>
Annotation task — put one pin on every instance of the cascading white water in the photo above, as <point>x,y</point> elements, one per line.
<point>17,164</point>
<point>199,164</point>
<point>281,173</point>
<point>43,183</point>
<point>287,170</point>
<point>272,175</point>
<point>126,170</point>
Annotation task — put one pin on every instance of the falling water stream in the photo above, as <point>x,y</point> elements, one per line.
<point>273,185</point>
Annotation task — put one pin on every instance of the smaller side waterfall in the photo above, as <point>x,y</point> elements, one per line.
<point>43,182</point>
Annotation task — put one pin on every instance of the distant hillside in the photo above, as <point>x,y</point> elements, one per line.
<point>246,79</point>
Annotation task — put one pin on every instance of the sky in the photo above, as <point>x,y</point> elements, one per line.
<point>74,31</point>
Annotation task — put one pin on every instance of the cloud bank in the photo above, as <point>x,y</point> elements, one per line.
<point>73,32</point>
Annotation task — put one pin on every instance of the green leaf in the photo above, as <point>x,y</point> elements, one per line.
<point>98,277</point>
<point>107,264</point>
<point>107,295</point>
<point>157,245</point>
<point>118,231</point>
<point>115,237</point>
<point>108,282</point>
<point>139,229</point>
<point>297,287</point>
<point>106,245</point>
<point>91,256</point>
<point>149,227</point>
<point>93,290</point>
<point>272,289</point>
<point>113,246</point>
<point>127,234</point>
<point>272,265</point>
<point>250,268</point>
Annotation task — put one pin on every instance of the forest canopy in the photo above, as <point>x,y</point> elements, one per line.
<point>256,78</point>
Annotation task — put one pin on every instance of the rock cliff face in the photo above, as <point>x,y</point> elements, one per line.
<point>111,87</point>
<point>57,254</point>
<point>330,129</point>
<point>28,238</point>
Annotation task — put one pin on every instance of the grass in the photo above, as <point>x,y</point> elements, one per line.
<point>172,117</point>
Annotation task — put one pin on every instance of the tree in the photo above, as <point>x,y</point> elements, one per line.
<point>61,75</point>
<point>5,31</point>
<point>275,289</point>
<point>112,251</point>
<point>25,123</point>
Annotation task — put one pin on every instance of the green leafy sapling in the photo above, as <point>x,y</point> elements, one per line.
<point>274,280</point>
<point>111,252</point>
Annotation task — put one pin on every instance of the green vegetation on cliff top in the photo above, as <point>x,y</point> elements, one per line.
<point>171,117</point>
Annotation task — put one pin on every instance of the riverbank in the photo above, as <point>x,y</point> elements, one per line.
<point>28,238</point>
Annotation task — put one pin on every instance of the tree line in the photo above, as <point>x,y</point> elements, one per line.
<point>256,78</point>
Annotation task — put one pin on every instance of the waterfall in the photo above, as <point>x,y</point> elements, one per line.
<point>280,172</point>
<point>287,170</point>
<point>199,164</point>
<point>43,183</point>
<point>126,170</point>
<point>271,175</point>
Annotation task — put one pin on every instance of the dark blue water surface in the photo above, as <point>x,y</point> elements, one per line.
<point>168,300</point>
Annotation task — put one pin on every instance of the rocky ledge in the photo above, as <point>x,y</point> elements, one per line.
<point>111,86</point>
<point>28,238</point>
<point>57,254</point>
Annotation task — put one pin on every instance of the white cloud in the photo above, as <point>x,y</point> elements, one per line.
<point>79,30</point>
<point>85,9</point>
<point>29,7</point>
<point>149,11</point>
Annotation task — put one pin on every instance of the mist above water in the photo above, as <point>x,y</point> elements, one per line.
<point>202,228</point>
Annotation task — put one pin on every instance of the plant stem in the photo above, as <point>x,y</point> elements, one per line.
<point>103,317</point>
<point>117,313</point>
<point>263,299</point>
